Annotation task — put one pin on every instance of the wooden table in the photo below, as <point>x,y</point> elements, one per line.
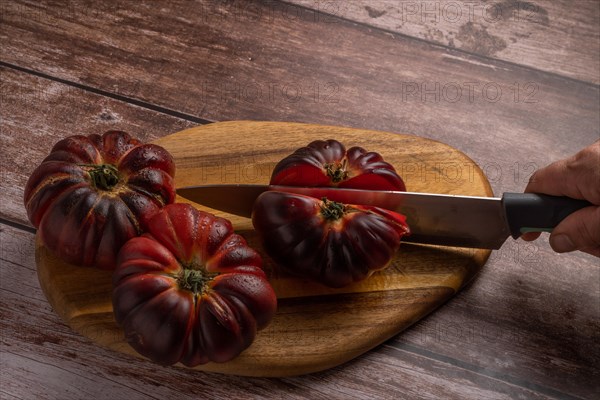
<point>514,85</point>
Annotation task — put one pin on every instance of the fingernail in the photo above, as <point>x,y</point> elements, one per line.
<point>562,243</point>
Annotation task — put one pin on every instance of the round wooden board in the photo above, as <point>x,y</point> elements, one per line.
<point>315,327</point>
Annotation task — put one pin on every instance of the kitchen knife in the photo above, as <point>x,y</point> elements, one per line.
<point>449,220</point>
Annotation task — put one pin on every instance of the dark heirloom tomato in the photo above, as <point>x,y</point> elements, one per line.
<point>333,243</point>
<point>327,163</point>
<point>190,290</point>
<point>93,193</point>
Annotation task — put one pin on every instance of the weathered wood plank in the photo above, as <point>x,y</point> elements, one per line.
<point>42,358</point>
<point>531,314</point>
<point>553,36</point>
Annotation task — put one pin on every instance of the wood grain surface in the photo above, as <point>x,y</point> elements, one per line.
<point>316,327</point>
<point>540,34</point>
<point>528,326</point>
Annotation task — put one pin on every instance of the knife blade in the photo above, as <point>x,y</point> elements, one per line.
<point>440,219</point>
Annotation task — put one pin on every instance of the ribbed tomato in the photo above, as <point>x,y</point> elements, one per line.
<point>327,163</point>
<point>93,193</point>
<point>332,243</point>
<point>190,290</point>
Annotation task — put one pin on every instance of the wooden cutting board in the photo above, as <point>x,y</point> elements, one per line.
<point>315,327</point>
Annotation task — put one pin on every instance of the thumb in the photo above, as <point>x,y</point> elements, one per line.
<point>579,231</point>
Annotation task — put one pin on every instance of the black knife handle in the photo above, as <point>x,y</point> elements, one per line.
<point>532,212</point>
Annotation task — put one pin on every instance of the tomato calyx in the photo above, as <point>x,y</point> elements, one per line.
<point>104,176</point>
<point>337,172</point>
<point>332,210</point>
<point>194,280</point>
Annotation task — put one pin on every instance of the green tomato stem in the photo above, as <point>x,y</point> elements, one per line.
<point>104,176</point>
<point>332,210</point>
<point>194,280</point>
<point>337,172</point>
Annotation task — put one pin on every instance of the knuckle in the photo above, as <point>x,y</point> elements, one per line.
<point>588,154</point>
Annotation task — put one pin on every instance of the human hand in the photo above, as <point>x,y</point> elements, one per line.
<point>577,177</point>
